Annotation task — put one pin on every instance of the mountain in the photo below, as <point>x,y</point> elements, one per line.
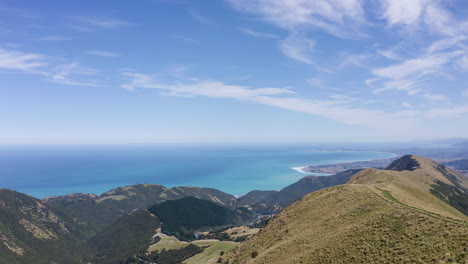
<point>459,164</point>
<point>185,216</point>
<point>97,212</point>
<point>31,232</point>
<point>397,215</point>
<point>71,228</point>
<point>421,176</point>
<point>268,202</point>
<point>413,211</point>
<point>78,227</point>
<point>129,235</point>
<point>463,144</point>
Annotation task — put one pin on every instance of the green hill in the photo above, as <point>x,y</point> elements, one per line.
<point>184,216</point>
<point>70,228</point>
<point>97,212</point>
<point>30,232</point>
<point>124,238</point>
<point>379,216</point>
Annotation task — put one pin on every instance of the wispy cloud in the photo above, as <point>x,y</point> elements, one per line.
<point>92,23</point>
<point>454,111</point>
<point>465,92</point>
<point>316,82</point>
<point>339,18</point>
<point>258,34</point>
<point>403,12</point>
<point>102,53</point>
<point>413,64</point>
<point>409,75</point>
<point>322,84</point>
<point>187,40</point>
<point>359,60</point>
<point>26,62</point>
<point>55,38</point>
<point>299,48</point>
<point>429,15</point>
<point>406,105</point>
<point>435,97</point>
<point>47,67</point>
<point>202,19</point>
<point>342,19</point>
<point>337,108</point>
<point>463,63</point>
<point>200,88</point>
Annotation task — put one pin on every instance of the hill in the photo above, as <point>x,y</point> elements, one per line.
<point>30,232</point>
<point>130,234</point>
<point>379,216</point>
<point>459,164</point>
<point>70,228</point>
<point>463,144</point>
<point>96,212</point>
<point>184,216</point>
<point>268,202</point>
<point>421,183</point>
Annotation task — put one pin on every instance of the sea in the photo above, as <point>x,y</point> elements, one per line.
<point>43,171</point>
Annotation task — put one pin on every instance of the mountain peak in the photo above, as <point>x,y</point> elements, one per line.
<point>407,162</point>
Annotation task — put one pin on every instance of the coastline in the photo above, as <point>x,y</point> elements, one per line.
<point>300,169</point>
<point>232,171</point>
<point>319,169</point>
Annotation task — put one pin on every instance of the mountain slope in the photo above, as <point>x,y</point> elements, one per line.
<point>97,212</point>
<point>184,216</point>
<point>463,144</point>
<point>308,184</point>
<point>380,216</point>
<point>273,201</point>
<point>30,232</point>
<point>57,229</point>
<point>126,237</point>
<point>415,181</point>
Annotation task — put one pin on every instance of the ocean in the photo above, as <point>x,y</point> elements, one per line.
<point>43,171</point>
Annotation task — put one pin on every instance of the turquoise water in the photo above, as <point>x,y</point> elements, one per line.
<point>46,171</point>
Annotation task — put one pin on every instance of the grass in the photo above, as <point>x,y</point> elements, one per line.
<point>167,242</point>
<point>213,253</point>
<point>355,224</point>
<point>241,231</point>
<point>210,255</point>
<point>389,196</point>
<point>410,188</point>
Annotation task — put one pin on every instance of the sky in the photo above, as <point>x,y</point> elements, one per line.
<point>232,71</point>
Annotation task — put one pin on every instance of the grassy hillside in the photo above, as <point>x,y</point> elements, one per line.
<point>213,248</point>
<point>380,216</point>
<point>268,202</point>
<point>417,184</point>
<point>355,224</point>
<point>308,184</point>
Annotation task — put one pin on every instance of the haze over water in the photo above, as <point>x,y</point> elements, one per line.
<point>45,171</point>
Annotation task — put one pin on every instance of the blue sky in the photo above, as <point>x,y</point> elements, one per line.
<point>232,71</point>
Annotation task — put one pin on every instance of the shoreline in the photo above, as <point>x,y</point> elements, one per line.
<point>300,169</point>
<point>303,169</point>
